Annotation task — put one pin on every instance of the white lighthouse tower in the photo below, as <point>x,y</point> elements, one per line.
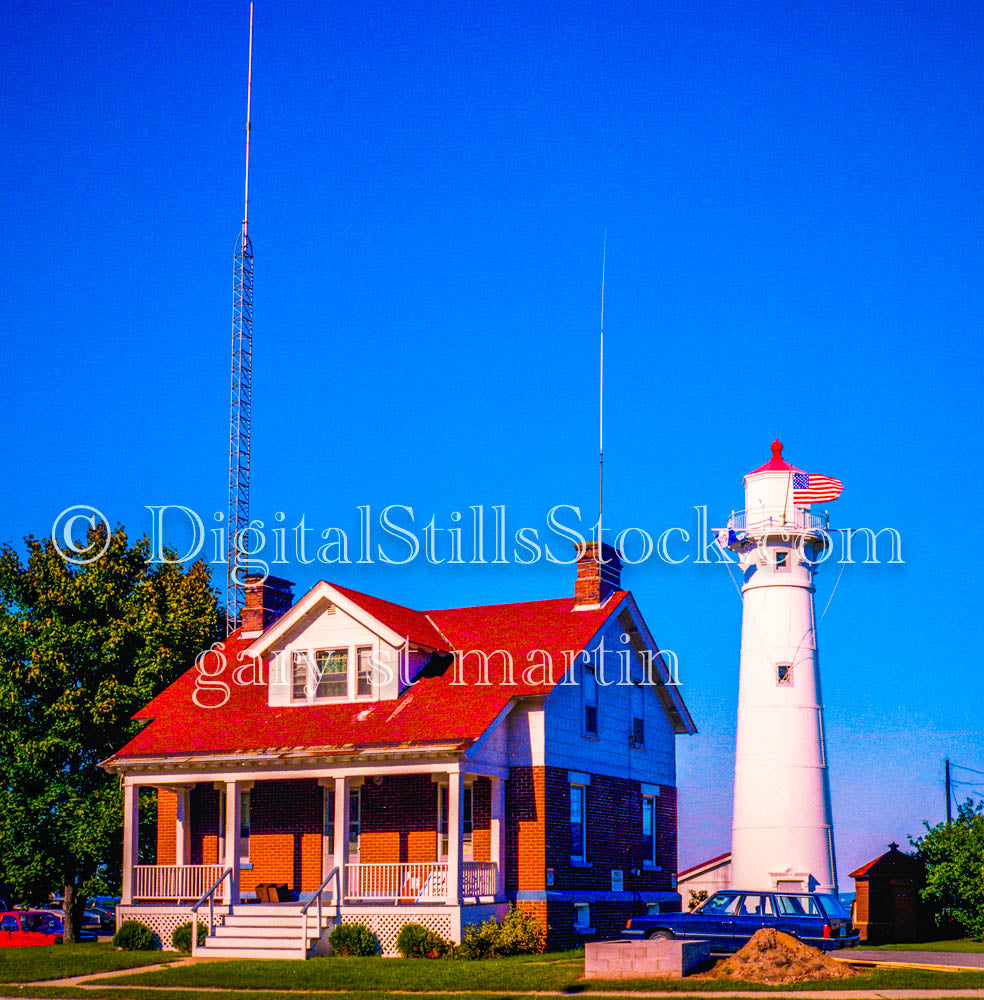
<point>782,828</point>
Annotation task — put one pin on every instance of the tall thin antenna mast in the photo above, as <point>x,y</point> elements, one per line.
<point>237,526</point>
<point>601,390</point>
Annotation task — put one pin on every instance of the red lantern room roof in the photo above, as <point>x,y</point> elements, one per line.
<point>777,463</point>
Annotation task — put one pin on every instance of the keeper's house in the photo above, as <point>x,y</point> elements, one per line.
<point>387,765</point>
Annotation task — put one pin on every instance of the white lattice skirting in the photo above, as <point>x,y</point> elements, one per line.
<point>162,920</point>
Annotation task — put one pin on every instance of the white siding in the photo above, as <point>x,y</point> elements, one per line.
<point>331,628</point>
<point>611,752</point>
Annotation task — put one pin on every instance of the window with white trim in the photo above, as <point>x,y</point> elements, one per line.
<point>332,673</point>
<point>363,679</point>
<point>300,671</point>
<point>355,822</point>
<point>244,827</point>
<point>328,830</point>
<point>582,917</point>
<point>589,695</point>
<point>579,824</point>
<point>782,561</point>
<point>649,831</point>
<point>467,822</point>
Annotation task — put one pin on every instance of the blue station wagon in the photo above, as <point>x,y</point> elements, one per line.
<point>729,919</point>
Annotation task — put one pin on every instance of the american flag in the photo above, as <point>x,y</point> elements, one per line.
<point>811,488</point>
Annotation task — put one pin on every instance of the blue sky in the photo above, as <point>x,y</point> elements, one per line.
<point>792,196</point>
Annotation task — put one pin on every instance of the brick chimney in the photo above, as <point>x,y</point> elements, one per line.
<point>597,579</point>
<point>265,600</point>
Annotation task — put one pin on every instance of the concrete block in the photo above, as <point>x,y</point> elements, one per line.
<point>643,959</point>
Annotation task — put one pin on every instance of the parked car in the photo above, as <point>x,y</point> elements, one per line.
<point>728,920</point>
<point>30,927</point>
<point>93,920</point>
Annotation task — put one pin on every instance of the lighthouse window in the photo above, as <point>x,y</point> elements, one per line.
<point>782,561</point>
<point>784,673</point>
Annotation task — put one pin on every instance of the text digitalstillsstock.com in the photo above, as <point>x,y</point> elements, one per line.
<point>394,535</point>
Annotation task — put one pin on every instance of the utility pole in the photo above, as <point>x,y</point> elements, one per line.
<point>947,774</point>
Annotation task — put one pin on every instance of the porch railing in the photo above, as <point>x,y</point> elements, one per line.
<point>177,882</point>
<point>478,878</point>
<point>416,882</point>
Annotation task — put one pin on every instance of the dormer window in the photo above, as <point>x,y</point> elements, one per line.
<point>300,671</point>
<point>325,674</point>
<point>363,681</point>
<point>332,675</point>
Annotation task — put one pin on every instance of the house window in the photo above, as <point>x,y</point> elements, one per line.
<point>364,679</point>
<point>784,674</point>
<point>782,561</point>
<point>355,821</point>
<point>467,821</point>
<point>589,689</point>
<point>582,918</point>
<point>638,735</point>
<point>332,667</point>
<point>328,830</point>
<point>649,831</point>
<point>579,816</point>
<point>244,827</point>
<point>300,669</point>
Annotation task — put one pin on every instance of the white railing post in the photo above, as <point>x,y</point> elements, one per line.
<point>233,817</point>
<point>456,831</point>
<point>131,838</point>
<point>341,835</point>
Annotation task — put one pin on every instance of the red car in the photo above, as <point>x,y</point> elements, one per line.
<point>26,927</point>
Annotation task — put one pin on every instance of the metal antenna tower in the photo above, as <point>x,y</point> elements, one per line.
<point>237,526</point>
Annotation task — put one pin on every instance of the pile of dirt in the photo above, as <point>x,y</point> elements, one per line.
<point>776,958</point>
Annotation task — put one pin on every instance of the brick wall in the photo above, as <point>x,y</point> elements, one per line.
<point>538,838</point>
<point>167,813</point>
<point>285,836</point>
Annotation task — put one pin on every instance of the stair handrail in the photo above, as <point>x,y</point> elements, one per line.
<point>316,898</point>
<point>208,894</point>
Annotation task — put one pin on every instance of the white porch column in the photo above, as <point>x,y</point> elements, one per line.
<point>182,825</point>
<point>131,836</point>
<point>497,836</point>
<point>456,821</point>
<point>233,817</point>
<point>341,834</point>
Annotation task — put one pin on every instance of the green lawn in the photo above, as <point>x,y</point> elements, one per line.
<point>59,961</point>
<point>366,977</point>
<point>965,945</point>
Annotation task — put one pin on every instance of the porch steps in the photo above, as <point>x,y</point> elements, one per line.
<point>259,931</point>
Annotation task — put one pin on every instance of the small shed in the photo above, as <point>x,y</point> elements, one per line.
<point>888,906</point>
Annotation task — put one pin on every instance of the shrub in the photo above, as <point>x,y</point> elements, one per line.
<point>417,941</point>
<point>353,939</point>
<point>135,936</point>
<point>181,936</point>
<point>518,934</point>
<point>522,934</point>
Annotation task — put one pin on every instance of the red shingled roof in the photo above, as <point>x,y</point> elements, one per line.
<point>433,711</point>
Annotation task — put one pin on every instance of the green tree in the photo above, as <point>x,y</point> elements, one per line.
<point>83,647</point>
<point>954,860</point>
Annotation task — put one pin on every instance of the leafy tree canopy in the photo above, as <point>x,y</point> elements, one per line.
<point>82,647</point>
<point>954,860</point>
